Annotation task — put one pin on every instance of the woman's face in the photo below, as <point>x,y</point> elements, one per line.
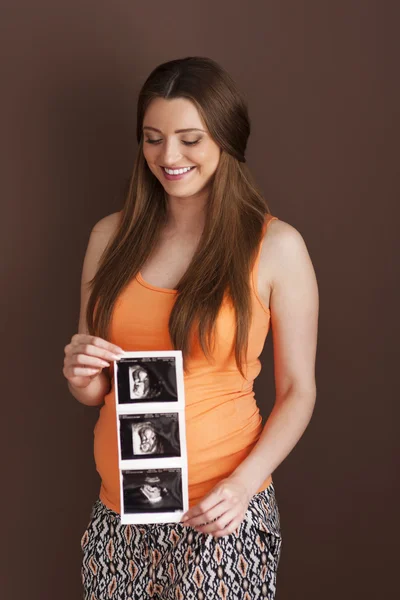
<point>166,145</point>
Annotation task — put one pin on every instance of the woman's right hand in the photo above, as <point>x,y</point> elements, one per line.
<point>85,358</point>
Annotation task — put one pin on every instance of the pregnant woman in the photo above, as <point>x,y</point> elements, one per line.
<point>195,261</point>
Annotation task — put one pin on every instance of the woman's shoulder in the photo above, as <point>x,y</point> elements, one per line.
<point>103,232</point>
<point>283,248</point>
<point>108,225</point>
<point>280,234</point>
<point>100,236</point>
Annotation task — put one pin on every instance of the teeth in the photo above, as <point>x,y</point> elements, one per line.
<point>177,171</point>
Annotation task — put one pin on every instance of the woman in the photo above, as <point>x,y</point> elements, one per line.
<point>195,261</point>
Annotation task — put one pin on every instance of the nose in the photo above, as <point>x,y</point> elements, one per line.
<point>170,153</point>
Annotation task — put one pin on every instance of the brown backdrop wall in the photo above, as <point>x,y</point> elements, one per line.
<point>320,79</point>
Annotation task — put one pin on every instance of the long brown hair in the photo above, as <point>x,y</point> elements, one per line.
<point>235,215</point>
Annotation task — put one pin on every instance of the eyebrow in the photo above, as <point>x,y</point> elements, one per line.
<point>176,130</point>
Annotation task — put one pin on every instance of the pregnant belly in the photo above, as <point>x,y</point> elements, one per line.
<point>217,439</point>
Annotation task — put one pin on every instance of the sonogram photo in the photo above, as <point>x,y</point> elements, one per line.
<point>149,435</point>
<point>152,490</point>
<point>147,380</point>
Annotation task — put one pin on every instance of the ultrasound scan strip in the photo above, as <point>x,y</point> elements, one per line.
<point>150,411</point>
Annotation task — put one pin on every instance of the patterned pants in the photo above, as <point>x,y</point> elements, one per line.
<point>171,562</point>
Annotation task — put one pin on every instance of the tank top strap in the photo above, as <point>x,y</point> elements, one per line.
<point>254,271</point>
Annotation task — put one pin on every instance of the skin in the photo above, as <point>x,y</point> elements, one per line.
<point>286,283</point>
<point>186,198</point>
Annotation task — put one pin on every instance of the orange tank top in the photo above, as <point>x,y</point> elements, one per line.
<point>223,422</point>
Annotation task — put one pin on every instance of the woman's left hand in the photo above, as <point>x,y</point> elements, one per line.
<point>221,511</point>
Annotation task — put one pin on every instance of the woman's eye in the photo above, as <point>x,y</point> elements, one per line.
<point>186,143</point>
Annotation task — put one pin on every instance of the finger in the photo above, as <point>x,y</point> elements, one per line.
<point>213,513</point>
<point>98,342</point>
<point>89,361</point>
<point>84,371</point>
<point>232,527</point>
<point>97,351</point>
<point>220,523</point>
<point>208,502</point>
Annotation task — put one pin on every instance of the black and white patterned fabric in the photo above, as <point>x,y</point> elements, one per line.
<point>173,562</point>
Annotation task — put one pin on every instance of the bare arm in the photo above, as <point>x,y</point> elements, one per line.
<point>87,357</point>
<point>294,315</point>
<point>294,319</point>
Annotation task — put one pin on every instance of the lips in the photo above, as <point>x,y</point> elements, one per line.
<point>179,176</point>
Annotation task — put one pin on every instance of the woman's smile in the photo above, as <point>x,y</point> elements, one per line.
<point>175,174</point>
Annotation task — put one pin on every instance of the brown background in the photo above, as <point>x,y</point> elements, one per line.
<point>321,81</point>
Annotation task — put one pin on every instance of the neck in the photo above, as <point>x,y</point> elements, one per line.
<point>186,215</point>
